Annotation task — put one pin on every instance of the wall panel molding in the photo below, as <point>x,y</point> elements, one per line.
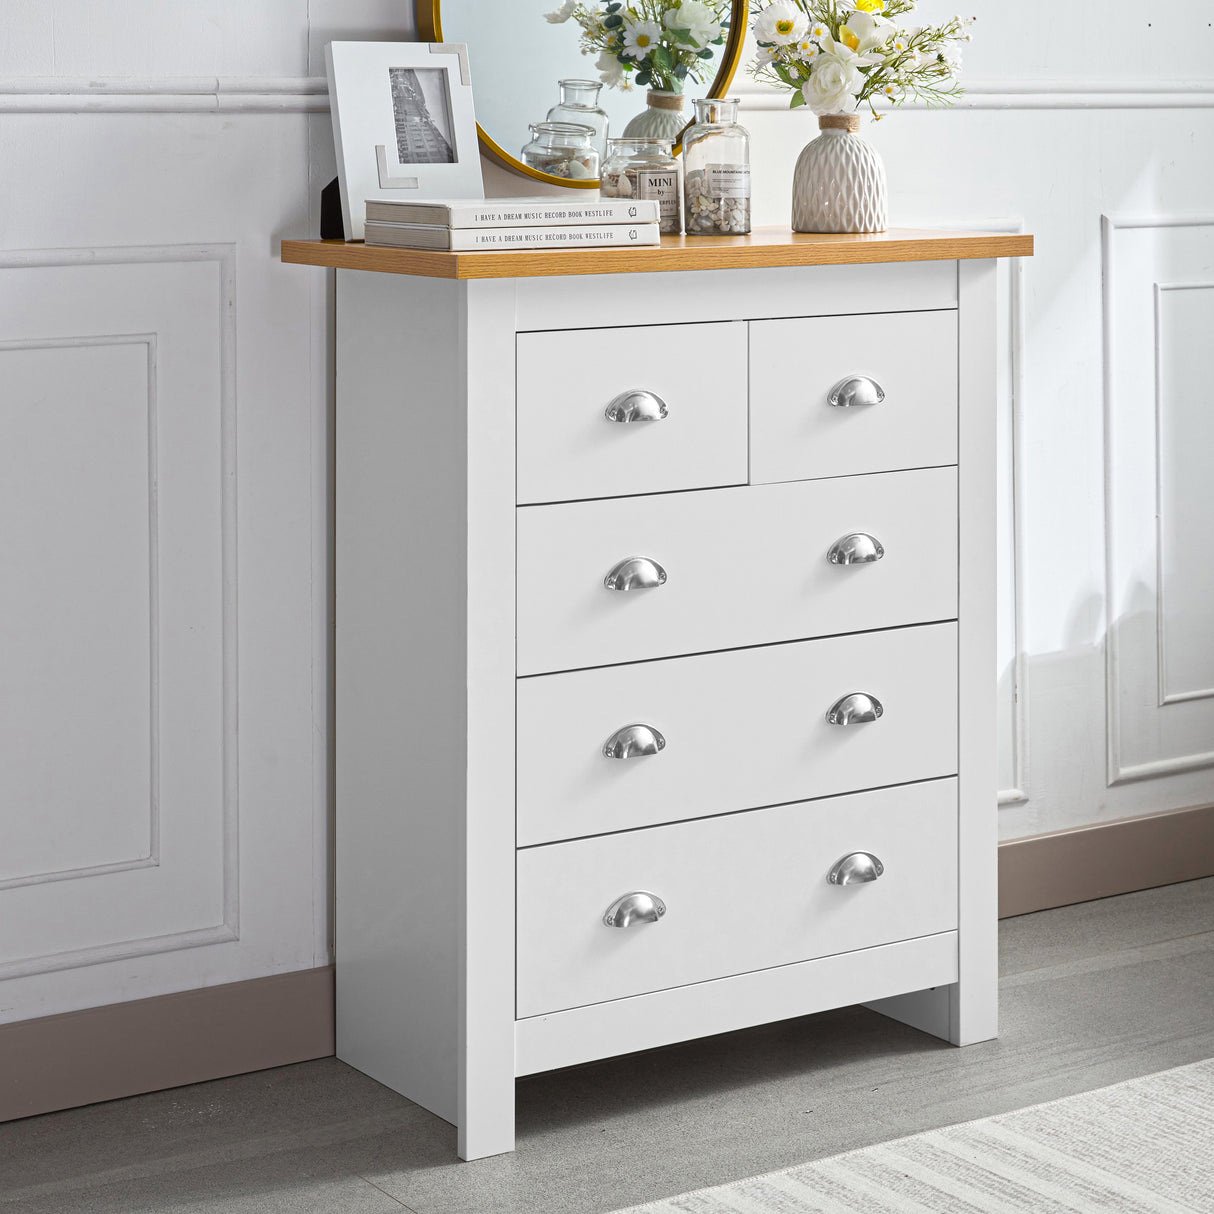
<point>224,258</point>
<point>1119,770</point>
<point>164,95</point>
<point>1028,95</point>
<point>1167,695</point>
<point>309,95</point>
<point>150,858</point>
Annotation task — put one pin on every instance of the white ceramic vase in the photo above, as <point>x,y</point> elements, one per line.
<point>839,182</point>
<point>662,117</point>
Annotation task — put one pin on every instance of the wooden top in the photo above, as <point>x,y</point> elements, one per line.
<point>764,247</point>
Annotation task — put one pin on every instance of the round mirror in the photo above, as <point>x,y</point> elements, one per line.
<point>629,66</point>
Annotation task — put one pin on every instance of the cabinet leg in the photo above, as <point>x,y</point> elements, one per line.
<point>486,1116</point>
<point>944,1011</point>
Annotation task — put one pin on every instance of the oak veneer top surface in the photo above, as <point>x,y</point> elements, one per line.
<point>763,247</point>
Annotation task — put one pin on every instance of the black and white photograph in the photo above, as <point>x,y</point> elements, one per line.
<point>421,107</point>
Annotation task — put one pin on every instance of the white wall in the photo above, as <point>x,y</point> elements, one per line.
<point>165,416</point>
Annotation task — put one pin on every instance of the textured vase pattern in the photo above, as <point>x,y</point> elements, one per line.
<point>838,186</point>
<point>654,122</point>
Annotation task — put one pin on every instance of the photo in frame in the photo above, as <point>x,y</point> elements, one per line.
<point>404,126</point>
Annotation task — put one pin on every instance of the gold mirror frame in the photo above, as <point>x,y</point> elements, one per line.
<point>430,29</point>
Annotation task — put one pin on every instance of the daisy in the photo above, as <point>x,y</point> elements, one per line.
<point>561,14</point>
<point>807,49</point>
<point>781,23</point>
<point>640,37</point>
<point>819,30</point>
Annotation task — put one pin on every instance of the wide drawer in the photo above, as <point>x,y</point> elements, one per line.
<point>568,448</point>
<point>742,892</point>
<point>796,433</point>
<point>742,566</point>
<point>738,729</point>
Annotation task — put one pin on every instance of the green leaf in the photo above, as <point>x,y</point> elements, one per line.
<point>662,58</point>
<point>614,21</point>
<point>704,54</point>
<point>798,98</point>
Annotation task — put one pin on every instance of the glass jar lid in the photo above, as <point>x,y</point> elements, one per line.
<point>719,111</point>
<point>562,134</point>
<point>637,145</point>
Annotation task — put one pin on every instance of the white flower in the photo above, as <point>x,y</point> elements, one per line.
<point>807,49</point>
<point>782,23</point>
<point>819,30</point>
<point>833,86</point>
<point>640,37</point>
<point>698,19</point>
<point>863,32</point>
<point>900,43</point>
<point>951,57</point>
<point>611,71</point>
<point>890,90</point>
<point>561,14</point>
<point>763,56</point>
<point>842,51</point>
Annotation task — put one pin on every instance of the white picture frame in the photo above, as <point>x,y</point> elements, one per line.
<point>403,124</point>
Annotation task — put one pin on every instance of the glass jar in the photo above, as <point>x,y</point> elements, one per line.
<point>645,168</point>
<point>580,103</point>
<point>562,149</point>
<point>716,171</point>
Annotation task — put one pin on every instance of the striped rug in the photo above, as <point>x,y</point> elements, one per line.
<point>1141,1147</point>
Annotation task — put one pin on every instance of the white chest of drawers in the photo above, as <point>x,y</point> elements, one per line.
<point>575,821</point>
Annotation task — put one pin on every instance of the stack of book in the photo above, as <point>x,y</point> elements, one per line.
<point>464,225</point>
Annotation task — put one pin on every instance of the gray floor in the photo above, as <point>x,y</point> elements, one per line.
<point>1091,995</point>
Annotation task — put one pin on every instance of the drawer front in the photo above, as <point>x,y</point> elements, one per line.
<point>742,892</point>
<point>796,433</point>
<point>743,566</point>
<point>568,448</point>
<point>740,729</point>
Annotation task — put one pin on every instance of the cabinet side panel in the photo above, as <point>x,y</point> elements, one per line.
<point>400,651</point>
<point>975,998</point>
<point>967,1010</point>
<point>486,1005</point>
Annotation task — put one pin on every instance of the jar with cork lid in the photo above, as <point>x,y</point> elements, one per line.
<point>716,171</point>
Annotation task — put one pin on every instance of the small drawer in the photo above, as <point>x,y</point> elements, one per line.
<point>677,394</point>
<point>741,893</point>
<point>729,731</point>
<point>742,566</point>
<point>907,359</point>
